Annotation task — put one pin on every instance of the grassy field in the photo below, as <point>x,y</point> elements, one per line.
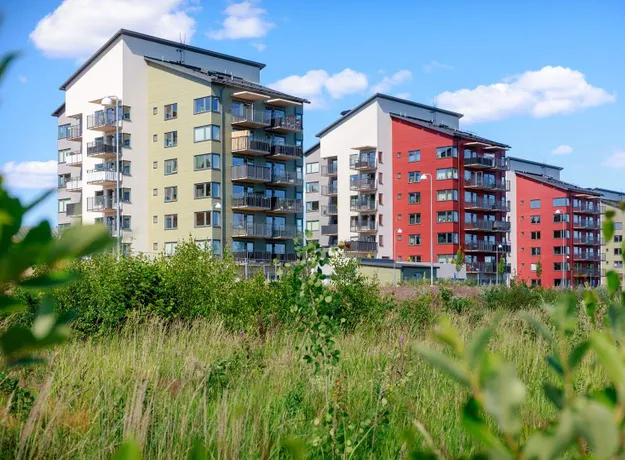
<point>246,396</point>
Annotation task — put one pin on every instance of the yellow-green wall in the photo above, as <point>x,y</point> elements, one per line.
<point>608,248</point>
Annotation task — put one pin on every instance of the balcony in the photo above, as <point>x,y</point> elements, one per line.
<point>482,225</point>
<point>104,177</point>
<point>364,207</point>
<point>252,203</point>
<point>332,229</point>
<point>74,133</point>
<point>74,185</point>
<point>250,173</point>
<point>361,246</point>
<point>286,206</point>
<point>588,256</point>
<point>74,159</point>
<point>101,203</point>
<point>73,209</point>
<point>330,170</point>
<point>585,241</point>
<point>330,210</point>
<point>262,257</point>
<point>482,163</point>
<point>245,145</point>
<point>104,121</point>
<point>362,185</point>
<point>363,165</point>
<point>286,152</point>
<point>585,208</point>
<point>265,231</point>
<point>287,178</point>
<point>102,150</point>
<point>363,227</point>
<point>485,246</point>
<point>329,190</point>
<point>480,183</point>
<point>587,225</point>
<point>586,272</point>
<point>482,267</point>
<point>250,118</point>
<point>286,124</point>
<point>480,204</point>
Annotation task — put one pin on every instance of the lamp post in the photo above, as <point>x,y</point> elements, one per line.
<point>559,213</point>
<point>108,102</point>
<point>395,254</point>
<point>499,247</point>
<point>217,206</point>
<point>424,176</point>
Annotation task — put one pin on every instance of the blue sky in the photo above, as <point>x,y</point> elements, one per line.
<point>539,76</point>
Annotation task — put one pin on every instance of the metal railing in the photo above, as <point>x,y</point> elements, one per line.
<point>249,115</point>
<point>490,205</point>
<point>362,164</point>
<point>101,203</point>
<point>493,184</point>
<point>98,148</point>
<point>331,229</point>
<point>586,240</point>
<point>73,159</point>
<point>251,201</point>
<point>101,175</point>
<point>287,150</point>
<point>485,246</point>
<point>363,206</point>
<point>329,210</point>
<point>587,271</point>
<point>75,183</point>
<point>246,143</point>
<point>586,208</point>
<point>287,122</point>
<point>362,184</point>
<point>286,205</point>
<point>482,267</point>
<point>488,225</point>
<point>588,224</point>
<point>360,246</point>
<point>262,256</point>
<point>251,172</point>
<point>287,178</point>
<point>329,189</point>
<point>590,256</point>
<point>359,227</point>
<point>106,118</point>
<point>487,163</point>
<point>330,169</point>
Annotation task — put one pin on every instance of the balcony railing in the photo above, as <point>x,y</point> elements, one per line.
<point>362,184</point>
<point>363,206</point>
<point>249,146</point>
<point>488,205</point>
<point>481,267</point>
<point>362,164</point>
<point>100,120</point>
<point>286,205</point>
<point>74,209</point>
<point>588,225</point>
<point>329,190</point>
<point>592,257</point>
<point>491,184</point>
<point>330,170</point>
<point>586,208</point>
<point>361,246</point>
<point>101,203</point>
<point>330,210</point>
<point>363,227</point>
<point>74,184</point>
<point>287,178</point>
<point>73,159</point>
<point>251,118</point>
<point>101,175</point>
<point>587,241</point>
<point>485,246</point>
<point>586,272</point>
<point>262,257</point>
<point>488,225</point>
<point>286,124</point>
<point>73,132</point>
<point>287,151</point>
<point>251,173</point>
<point>486,163</point>
<point>253,202</point>
<point>264,230</point>
<point>101,148</point>
<point>332,229</point>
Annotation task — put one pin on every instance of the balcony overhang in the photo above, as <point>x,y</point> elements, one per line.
<point>250,96</point>
<point>100,99</point>
<point>495,147</point>
<point>279,102</point>
<point>365,147</point>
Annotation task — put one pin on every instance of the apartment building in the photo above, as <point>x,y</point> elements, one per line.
<point>612,250</point>
<point>205,150</point>
<point>556,227</point>
<point>368,184</point>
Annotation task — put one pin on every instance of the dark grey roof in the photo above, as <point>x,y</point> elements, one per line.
<point>536,163</point>
<point>221,78</point>
<point>444,129</point>
<point>312,149</point>
<point>362,105</point>
<point>390,263</point>
<point>558,183</point>
<point>605,190</point>
<point>162,41</point>
<point>57,113</point>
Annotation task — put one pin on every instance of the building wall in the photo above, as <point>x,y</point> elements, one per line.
<point>514,222</point>
<point>314,156</point>
<point>612,250</point>
<point>76,172</point>
<point>533,168</point>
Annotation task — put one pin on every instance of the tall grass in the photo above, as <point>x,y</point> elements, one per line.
<point>244,396</point>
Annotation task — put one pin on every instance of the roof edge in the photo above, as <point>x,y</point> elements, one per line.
<point>536,163</point>
<point>312,148</point>
<point>60,109</point>
<point>571,187</point>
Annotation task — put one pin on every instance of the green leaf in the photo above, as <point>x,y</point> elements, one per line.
<point>40,199</point>
<point>610,358</point>
<point>10,305</point>
<point>596,423</point>
<point>16,339</point>
<point>477,345</point>
<point>444,364</point>
<point>79,241</point>
<point>614,283</point>
<point>6,60</point>
<point>295,447</point>
<point>540,327</point>
<point>555,395</point>
<point>504,394</point>
<point>555,364</point>
<point>608,229</point>
<point>564,313</point>
<point>547,446</point>
<point>198,452</point>
<point>128,450</point>
<point>47,281</point>
<point>447,334</point>
<point>590,299</point>
<point>577,354</point>
<point>476,426</point>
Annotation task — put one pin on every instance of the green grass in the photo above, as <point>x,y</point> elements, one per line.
<point>244,397</point>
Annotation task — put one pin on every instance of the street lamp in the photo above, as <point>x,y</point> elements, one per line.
<point>395,253</point>
<point>499,247</point>
<point>108,102</point>
<point>559,213</point>
<point>424,176</point>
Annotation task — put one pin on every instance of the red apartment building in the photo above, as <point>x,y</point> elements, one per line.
<point>556,228</point>
<point>469,207</point>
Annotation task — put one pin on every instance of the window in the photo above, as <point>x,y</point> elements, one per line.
<point>169,248</point>
<point>381,240</point>
<point>445,258</point>
<point>536,283</point>
<point>560,202</point>
<point>126,222</point>
<point>63,155</point>
<point>154,110</point>
<point>414,176</point>
<point>63,204</point>
<point>535,204</point>
<point>446,152</point>
<point>125,193</point>
<point>557,267</point>
<point>533,267</point>
<point>446,216</point>
<point>380,198</point>
<point>380,157</point>
<point>413,156</point>
<point>399,195</point>
<point>559,234</point>
<point>618,238</point>
<point>447,238</point>
<point>414,198</point>
<point>535,236</point>
<point>398,154</point>
<point>618,225</point>
<point>560,217</point>
<point>312,226</point>
<point>206,133</point>
<point>312,168</point>
<point>312,206</point>
<point>171,139</point>
<point>414,240</point>
<point>380,178</point>
<point>171,221</point>
<point>155,165</point>
<point>559,250</point>
<point>171,166</point>
<point>312,187</point>
<point>413,259</point>
<point>171,111</point>
<point>446,173</point>
<point>618,251</point>
<point>154,137</point>
<point>64,131</point>
<point>618,264</point>
<point>171,194</point>
<point>207,189</point>
<point>206,161</point>
<point>447,195</point>
<point>534,219</point>
<point>380,219</point>
<point>414,219</point>
<point>203,218</point>
<point>399,175</point>
<point>535,251</point>
<point>155,219</point>
<point>399,216</point>
<point>206,104</point>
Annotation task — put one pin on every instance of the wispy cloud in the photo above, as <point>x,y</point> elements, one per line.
<point>30,174</point>
<point>435,65</point>
<point>616,160</point>
<point>243,20</point>
<point>403,95</point>
<point>23,79</point>
<point>260,47</point>
<point>387,83</point>
<point>562,150</point>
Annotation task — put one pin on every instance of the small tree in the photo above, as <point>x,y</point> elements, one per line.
<point>539,269</point>
<point>459,259</point>
<point>501,268</point>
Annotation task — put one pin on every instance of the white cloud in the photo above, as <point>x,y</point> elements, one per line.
<point>243,20</point>
<point>403,95</point>
<point>435,65</point>
<point>23,79</point>
<point>79,27</point>
<point>562,150</point>
<point>30,174</point>
<point>385,85</point>
<point>314,85</point>
<point>616,160</point>
<point>545,92</point>
<point>259,46</point>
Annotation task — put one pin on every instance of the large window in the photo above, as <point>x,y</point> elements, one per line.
<point>171,166</point>
<point>446,173</point>
<point>63,204</point>
<point>414,176</point>
<point>171,111</point>
<point>206,161</point>
<point>561,217</point>
<point>446,216</point>
<point>447,195</point>
<point>414,240</point>
<point>535,236</point>
<point>534,219</point>
<point>312,225</point>
<point>169,248</point>
<point>171,194</point>
<point>171,139</point>
<point>206,133</point>
<point>560,202</point>
<point>414,198</point>
<point>414,219</point>
<point>535,251</point>
<point>447,238</point>
<point>312,168</point>
<point>203,218</point>
<point>64,131</point>
<point>535,204</point>
<point>63,155</point>
<point>559,234</point>
<point>206,104</point>
<point>446,152</point>
<point>445,258</point>
<point>171,221</point>
<point>414,156</point>
<point>312,206</point>
<point>312,187</point>
<point>207,189</point>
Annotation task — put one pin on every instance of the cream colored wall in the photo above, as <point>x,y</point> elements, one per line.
<point>609,246</point>
<point>167,88</point>
<point>384,274</point>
